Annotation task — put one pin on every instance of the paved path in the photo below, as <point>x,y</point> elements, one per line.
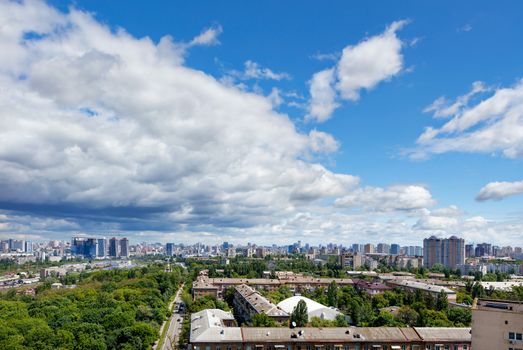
<point>175,324</point>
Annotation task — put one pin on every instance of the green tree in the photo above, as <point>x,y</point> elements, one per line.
<point>262,320</point>
<point>332,294</point>
<point>442,302</point>
<point>300,314</point>
<point>460,317</point>
<point>408,316</point>
<point>385,319</point>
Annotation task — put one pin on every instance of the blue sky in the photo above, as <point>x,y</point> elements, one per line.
<point>363,170</point>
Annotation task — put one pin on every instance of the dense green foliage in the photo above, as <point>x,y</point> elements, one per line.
<point>262,320</point>
<point>300,314</point>
<point>118,309</point>
<point>415,309</point>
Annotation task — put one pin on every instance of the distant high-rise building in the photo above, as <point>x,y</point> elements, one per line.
<point>84,246</point>
<point>225,245</point>
<point>114,247</point>
<point>91,248</point>
<point>368,248</point>
<point>28,246</point>
<point>448,252</point>
<point>395,249</point>
<point>413,250</point>
<point>496,250</point>
<point>17,245</point>
<point>169,248</point>
<point>124,247</point>
<point>469,251</point>
<point>483,249</point>
<point>383,248</point>
<point>102,248</point>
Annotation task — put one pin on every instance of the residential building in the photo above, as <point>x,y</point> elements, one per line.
<point>214,329</point>
<point>368,248</point>
<point>448,252</point>
<point>469,251</point>
<point>102,248</point>
<point>395,249</point>
<point>412,286</point>
<point>497,325</point>
<point>114,247</point>
<point>352,261</point>
<point>483,249</point>
<point>124,248</point>
<point>371,288</point>
<point>85,247</point>
<point>16,245</point>
<point>248,302</point>
<point>28,246</point>
<point>169,249</point>
<point>383,248</point>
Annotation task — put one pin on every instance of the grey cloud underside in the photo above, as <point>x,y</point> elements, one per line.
<point>101,131</point>
<point>103,124</point>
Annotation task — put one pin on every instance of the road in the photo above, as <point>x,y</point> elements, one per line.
<point>175,324</point>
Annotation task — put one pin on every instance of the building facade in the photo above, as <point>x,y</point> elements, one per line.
<point>450,252</point>
<point>210,331</point>
<point>497,325</point>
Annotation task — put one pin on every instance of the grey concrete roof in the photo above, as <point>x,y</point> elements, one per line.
<point>259,302</point>
<point>335,334</point>
<point>420,285</point>
<point>444,333</point>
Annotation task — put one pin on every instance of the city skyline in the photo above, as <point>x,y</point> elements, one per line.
<point>347,123</point>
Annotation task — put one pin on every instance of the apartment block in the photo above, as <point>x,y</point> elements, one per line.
<point>497,325</point>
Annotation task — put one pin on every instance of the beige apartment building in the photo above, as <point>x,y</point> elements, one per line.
<point>215,330</point>
<point>497,325</point>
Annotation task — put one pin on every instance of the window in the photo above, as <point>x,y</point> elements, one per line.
<point>519,336</point>
<point>207,347</point>
<point>511,335</point>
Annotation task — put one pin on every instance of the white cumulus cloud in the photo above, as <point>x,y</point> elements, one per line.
<point>492,125</point>
<point>499,190</point>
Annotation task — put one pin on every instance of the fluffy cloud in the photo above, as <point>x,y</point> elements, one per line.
<point>104,124</point>
<point>499,190</point>
<point>399,197</point>
<point>493,125</point>
<point>373,60</point>
<point>323,96</point>
<point>361,66</point>
<point>208,37</point>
